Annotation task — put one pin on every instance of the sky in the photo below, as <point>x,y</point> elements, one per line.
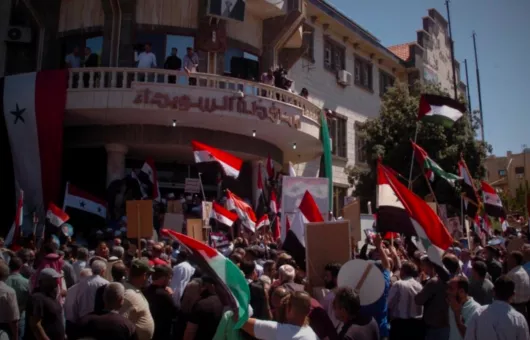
<point>503,45</point>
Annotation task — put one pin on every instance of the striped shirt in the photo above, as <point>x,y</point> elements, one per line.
<point>401,302</point>
<point>522,284</point>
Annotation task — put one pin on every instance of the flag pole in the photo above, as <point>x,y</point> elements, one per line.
<point>202,187</point>
<point>430,189</point>
<point>412,160</point>
<point>65,193</point>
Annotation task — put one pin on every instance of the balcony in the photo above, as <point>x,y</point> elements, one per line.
<point>132,96</point>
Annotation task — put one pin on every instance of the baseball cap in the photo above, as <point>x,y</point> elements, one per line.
<point>49,273</point>
<point>142,265</point>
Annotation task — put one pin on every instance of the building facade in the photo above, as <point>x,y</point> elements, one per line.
<point>118,114</point>
<point>509,173</point>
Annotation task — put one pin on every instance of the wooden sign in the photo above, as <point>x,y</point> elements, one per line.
<point>325,242</point>
<point>173,222</point>
<point>139,219</point>
<point>174,206</point>
<point>194,229</point>
<point>352,213</point>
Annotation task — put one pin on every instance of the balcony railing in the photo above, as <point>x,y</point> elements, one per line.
<point>81,79</point>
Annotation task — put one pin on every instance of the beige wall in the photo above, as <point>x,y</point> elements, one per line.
<point>249,31</point>
<point>512,180</point>
<point>79,14</point>
<point>178,13</point>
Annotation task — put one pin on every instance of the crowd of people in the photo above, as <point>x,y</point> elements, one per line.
<point>161,292</point>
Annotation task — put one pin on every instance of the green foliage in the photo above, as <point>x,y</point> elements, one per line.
<point>514,204</point>
<point>388,136</point>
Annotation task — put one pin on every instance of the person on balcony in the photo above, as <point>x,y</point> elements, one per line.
<point>173,63</point>
<point>73,60</point>
<point>145,59</point>
<point>191,64</point>
<point>91,60</point>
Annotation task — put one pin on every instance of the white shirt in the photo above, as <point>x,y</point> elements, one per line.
<point>401,303</point>
<point>146,60</point>
<point>269,330</point>
<point>85,297</point>
<point>498,321</point>
<point>182,274</point>
<point>78,267</point>
<point>69,302</point>
<point>520,277</point>
<point>469,310</point>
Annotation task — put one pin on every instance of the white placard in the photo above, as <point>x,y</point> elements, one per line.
<point>192,185</point>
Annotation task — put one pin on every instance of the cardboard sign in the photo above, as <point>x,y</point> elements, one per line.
<point>139,219</point>
<point>325,242</point>
<point>192,185</point>
<point>352,213</point>
<point>173,222</point>
<point>174,206</point>
<point>206,212</point>
<point>194,229</point>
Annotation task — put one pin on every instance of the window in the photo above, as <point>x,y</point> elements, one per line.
<point>308,42</point>
<point>363,73</point>
<point>334,56</point>
<point>519,171</point>
<point>385,81</point>
<point>360,146</point>
<point>180,42</point>
<point>337,125</point>
<point>502,172</point>
<point>339,195</point>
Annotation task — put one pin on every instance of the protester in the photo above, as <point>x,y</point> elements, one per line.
<point>462,307</point>
<point>146,58</point>
<point>70,304</point>
<point>499,320</point>
<point>355,326</point>
<point>331,272</point>
<point>9,312</point>
<point>135,306</point>
<point>480,288</point>
<point>81,262</point>
<point>182,274</point>
<point>20,285</point>
<point>520,278</point>
<point>84,300</point>
<point>494,266</point>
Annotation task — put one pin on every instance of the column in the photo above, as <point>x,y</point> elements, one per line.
<point>115,162</point>
<point>5,13</point>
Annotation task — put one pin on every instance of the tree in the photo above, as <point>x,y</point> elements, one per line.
<point>514,203</point>
<point>388,136</point>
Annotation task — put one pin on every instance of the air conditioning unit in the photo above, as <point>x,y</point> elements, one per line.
<point>18,34</point>
<point>344,78</point>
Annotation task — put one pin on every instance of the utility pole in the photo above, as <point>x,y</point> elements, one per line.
<point>468,94</point>
<point>452,47</point>
<point>524,147</point>
<point>478,86</point>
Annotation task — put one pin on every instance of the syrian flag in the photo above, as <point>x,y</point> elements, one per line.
<point>204,153</point>
<point>140,185</point>
<point>259,188</point>
<point>83,201</point>
<point>33,106</point>
<point>262,222</point>
<point>219,239</point>
<point>230,280</point>
<point>56,216</point>
<point>273,204</point>
<point>430,230</point>
<point>391,214</point>
<point>149,176</point>
<point>13,236</point>
<point>294,242</point>
<point>270,168</point>
<point>276,230</point>
<point>220,214</point>
<point>492,202</point>
<point>468,188</point>
<point>243,210</point>
<point>443,110</point>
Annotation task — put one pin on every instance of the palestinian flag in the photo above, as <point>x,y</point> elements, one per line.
<point>243,210</point>
<point>429,228</point>
<point>83,201</point>
<point>391,214</point>
<point>262,222</point>
<point>33,106</point>
<point>56,216</point>
<point>442,110</point>
<point>471,199</point>
<point>492,201</point>
<point>229,277</point>
<point>294,242</point>
<point>149,177</point>
<point>204,153</point>
<point>220,214</point>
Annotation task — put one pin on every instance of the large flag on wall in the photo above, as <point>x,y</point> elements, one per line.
<point>430,230</point>
<point>443,110</point>
<point>33,108</point>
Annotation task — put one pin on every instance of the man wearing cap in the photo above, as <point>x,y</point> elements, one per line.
<point>161,304</point>
<point>135,306</point>
<point>44,315</point>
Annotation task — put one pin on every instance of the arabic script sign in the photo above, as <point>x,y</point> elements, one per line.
<point>215,101</point>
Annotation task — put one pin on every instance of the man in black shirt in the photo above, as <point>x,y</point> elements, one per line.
<point>206,314</point>
<point>346,306</point>
<point>109,325</point>
<point>44,315</point>
<point>173,63</point>
<point>161,304</point>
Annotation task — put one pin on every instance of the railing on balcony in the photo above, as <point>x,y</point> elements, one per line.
<point>121,78</point>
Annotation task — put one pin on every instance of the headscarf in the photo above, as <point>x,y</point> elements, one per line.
<point>182,274</point>
<point>52,260</point>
